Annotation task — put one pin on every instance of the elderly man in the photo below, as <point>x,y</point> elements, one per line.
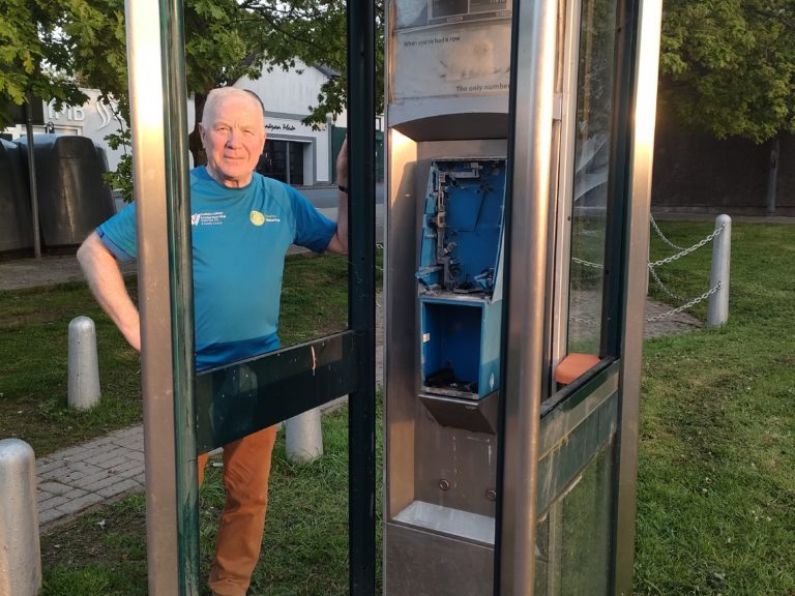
<point>242,226</point>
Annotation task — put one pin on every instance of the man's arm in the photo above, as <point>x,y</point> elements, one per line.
<point>339,242</point>
<point>107,284</point>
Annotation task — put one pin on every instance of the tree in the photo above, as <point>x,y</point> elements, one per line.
<point>728,66</point>
<point>224,40</point>
<point>34,57</point>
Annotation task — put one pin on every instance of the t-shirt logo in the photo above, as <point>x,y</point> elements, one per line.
<point>258,218</point>
<point>214,218</point>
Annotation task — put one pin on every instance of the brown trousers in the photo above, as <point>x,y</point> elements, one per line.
<point>247,464</point>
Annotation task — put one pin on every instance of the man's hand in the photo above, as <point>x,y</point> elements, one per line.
<point>342,164</point>
<point>339,242</point>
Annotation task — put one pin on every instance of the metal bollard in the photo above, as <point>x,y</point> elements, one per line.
<point>20,556</point>
<point>718,310</point>
<point>304,437</point>
<point>83,391</point>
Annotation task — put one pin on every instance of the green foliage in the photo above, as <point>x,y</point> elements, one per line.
<point>50,49</point>
<point>122,178</point>
<point>728,66</point>
<point>34,58</point>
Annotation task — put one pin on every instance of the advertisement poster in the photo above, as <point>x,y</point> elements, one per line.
<point>466,59</point>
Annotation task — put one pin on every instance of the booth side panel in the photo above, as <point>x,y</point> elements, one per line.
<point>424,564</point>
<point>400,291</point>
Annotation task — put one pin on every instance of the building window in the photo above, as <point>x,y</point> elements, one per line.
<point>283,160</point>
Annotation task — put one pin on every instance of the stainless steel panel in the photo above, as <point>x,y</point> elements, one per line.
<point>459,149</point>
<point>478,416</point>
<point>454,467</point>
<point>147,122</point>
<point>400,381</point>
<point>446,520</point>
<point>534,85</point>
<point>419,563</point>
<point>409,164</point>
<point>642,147</point>
<point>456,127</point>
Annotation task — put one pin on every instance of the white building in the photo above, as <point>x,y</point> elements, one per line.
<point>294,152</point>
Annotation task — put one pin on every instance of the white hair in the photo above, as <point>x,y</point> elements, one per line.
<point>215,96</point>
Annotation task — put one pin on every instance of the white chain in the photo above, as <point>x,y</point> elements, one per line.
<point>665,315</point>
<point>690,250</point>
<point>587,263</point>
<point>661,235</point>
<point>663,287</point>
<point>685,306</point>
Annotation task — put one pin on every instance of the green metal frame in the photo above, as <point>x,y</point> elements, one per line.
<point>313,373</point>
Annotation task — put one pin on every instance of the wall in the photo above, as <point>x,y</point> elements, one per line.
<point>695,172</point>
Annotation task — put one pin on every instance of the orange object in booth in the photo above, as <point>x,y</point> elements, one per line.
<point>573,366</point>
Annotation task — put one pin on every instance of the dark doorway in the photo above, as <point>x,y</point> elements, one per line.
<point>283,160</point>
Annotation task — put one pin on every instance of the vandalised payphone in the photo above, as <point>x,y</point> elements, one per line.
<point>460,285</point>
<point>447,116</point>
<point>515,282</point>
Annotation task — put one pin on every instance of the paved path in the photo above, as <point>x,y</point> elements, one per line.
<point>77,478</point>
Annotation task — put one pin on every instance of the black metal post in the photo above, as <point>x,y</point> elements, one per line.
<point>34,195</point>
<point>361,300</point>
<point>181,291</point>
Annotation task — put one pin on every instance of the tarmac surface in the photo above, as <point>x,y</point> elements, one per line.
<point>76,479</point>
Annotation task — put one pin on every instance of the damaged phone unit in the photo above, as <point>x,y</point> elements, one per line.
<point>459,289</point>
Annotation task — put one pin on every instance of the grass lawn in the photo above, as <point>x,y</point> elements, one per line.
<point>304,553</point>
<point>716,489</point>
<point>34,340</point>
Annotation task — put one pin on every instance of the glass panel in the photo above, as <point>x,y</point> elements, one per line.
<point>573,540</point>
<point>592,152</point>
<point>260,286</point>
<point>586,536</point>
<point>541,577</point>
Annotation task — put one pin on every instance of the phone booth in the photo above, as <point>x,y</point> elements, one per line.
<point>518,178</point>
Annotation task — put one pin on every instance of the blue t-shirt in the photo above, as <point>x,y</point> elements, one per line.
<point>240,238</point>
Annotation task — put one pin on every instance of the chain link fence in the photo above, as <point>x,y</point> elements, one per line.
<point>719,273</point>
<point>717,283</point>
